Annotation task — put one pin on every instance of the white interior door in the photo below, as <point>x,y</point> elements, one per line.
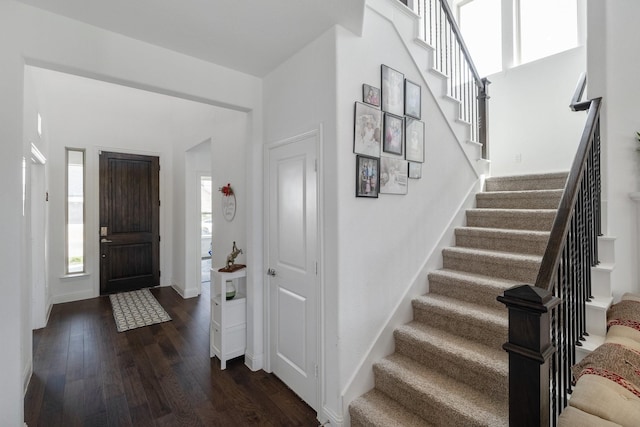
<point>293,280</point>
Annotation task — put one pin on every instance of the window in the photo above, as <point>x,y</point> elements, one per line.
<point>546,27</point>
<point>481,26</point>
<point>75,211</point>
<point>504,33</point>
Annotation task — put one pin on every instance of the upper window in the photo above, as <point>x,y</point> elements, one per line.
<point>504,33</point>
<point>547,27</point>
<point>481,26</point>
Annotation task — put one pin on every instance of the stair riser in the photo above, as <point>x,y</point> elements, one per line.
<point>515,244</point>
<point>466,371</point>
<point>550,183</point>
<point>468,292</point>
<point>485,201</point>
<point>537,222</point>
<point>601,280</point>
<point>423,405</point>
<point>596,320</point>
<point>503,268</point>
<point>473,329</point>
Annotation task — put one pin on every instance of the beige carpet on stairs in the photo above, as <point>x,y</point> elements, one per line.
<point>449,367</point>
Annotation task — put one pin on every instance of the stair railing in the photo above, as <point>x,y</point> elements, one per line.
<point>452,58</point>
<point>547,321</point>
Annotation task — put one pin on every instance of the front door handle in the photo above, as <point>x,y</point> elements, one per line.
<point>271,272</point>
<point>106,241</point>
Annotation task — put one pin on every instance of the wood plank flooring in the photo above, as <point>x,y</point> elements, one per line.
<point>88,374</point>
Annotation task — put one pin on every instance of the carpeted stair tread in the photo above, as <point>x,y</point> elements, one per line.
<point>516,219</point>
<point>471,287</point>
<point>544,181</point>
<point>483,324</point>
<point>505,265</point>
<point>435,396</point>
<point>528,199</point>
<point>376,409</point>
<point>484,368</point>
<point>502,239</point>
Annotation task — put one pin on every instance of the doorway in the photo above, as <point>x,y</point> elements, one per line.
<point>129,222</point>
<point>206,229</point>
<point>293,271</point>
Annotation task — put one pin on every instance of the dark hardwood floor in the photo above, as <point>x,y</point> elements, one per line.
<point>85,373</point>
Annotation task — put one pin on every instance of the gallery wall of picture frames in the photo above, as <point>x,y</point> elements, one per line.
<point>388,137</point>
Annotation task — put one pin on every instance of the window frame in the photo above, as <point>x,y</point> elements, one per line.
<point>66,212</point>
<point>511,31</point>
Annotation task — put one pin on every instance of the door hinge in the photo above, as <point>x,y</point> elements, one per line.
<point>316,268</point>
<point>159,273</point>
<point>159,238</point>
<point>316,370</point>
<point>159,203</point>
<point>315,165</point>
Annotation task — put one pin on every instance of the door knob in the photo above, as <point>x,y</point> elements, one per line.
<point>271,272</point>
<point>106,241</point>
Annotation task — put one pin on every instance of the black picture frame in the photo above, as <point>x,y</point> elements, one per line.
<point>367,130</point>
<point>371,95</point>
<point>393,175</point>
<point>392,90</point>
<point>367,176</point>
<point>393,136</point>
<point>414,140</point>
<point>415,170</point>
<point>412,99</point>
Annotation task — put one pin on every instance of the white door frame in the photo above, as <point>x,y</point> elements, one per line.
<point>319,288</point>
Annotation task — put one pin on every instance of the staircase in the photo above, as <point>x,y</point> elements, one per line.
<point>448,367</point>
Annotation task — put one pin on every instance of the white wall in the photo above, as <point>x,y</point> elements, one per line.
<point>613,66</point>
<point>44,39</point>
<point>399,232</point>
<point>374,249</point>
<point>531,128</point>
<point>299,96</point>
<point>219,127</point>
<point>13,322</point>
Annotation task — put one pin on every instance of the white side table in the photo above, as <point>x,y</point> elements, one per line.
<point>228,326</point>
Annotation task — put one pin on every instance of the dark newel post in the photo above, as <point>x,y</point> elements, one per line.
<point>529,349</point>
<point>483,119</point>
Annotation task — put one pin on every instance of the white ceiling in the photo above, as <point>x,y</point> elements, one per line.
<point>252,36</point>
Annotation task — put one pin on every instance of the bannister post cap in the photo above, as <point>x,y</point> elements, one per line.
<point>528,295</point>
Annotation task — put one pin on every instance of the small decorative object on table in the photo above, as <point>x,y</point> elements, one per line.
<point>231,265</point>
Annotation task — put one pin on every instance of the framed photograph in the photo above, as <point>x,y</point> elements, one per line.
<point>371,95</point>
<point>414,140</point>
<point>367,176</point>
<point>412,99</point>
<point>393,175</point>
<point>415,170</point>
<point>367,130</point>
<point>393,134</point>
<point>392,94</point>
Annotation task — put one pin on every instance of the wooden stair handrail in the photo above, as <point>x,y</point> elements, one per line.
<point>560,227</point>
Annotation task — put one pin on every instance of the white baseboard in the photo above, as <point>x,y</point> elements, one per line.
<point>362,379</point>
<point>26,377</point>
<point>254,362</point>
<point>73,296</point>
<point>332,419</point>
<point>186,294</point>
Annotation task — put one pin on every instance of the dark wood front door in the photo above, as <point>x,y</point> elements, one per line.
<point>129,222</point>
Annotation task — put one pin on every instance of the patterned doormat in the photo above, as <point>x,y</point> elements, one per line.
<point>136,309</point>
